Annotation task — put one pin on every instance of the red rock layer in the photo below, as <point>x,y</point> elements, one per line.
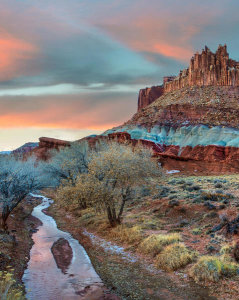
<point>149,95</point>
<point>199,159</point>
<point>205,69</point>
<point>42,152</point>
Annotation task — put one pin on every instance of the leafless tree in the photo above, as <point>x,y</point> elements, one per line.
<point>17,179</point>
<point>68,163</point>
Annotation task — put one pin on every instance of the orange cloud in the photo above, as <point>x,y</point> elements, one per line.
<point>13,53</point>
<point>180,53</point>
<point>70,112</point>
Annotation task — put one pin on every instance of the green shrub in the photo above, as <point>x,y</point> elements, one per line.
<point>9,289</point>
<point>174,257</point>
<point>156,242</point>
<point>212,268</point>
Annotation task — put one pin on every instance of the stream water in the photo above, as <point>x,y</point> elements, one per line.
<point>43,279</point>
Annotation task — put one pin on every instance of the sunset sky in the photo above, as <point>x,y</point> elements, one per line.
<point>70,68</point>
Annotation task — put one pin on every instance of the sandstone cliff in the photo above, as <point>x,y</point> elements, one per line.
<point>193,126</point>
<point>149,95</point>
<point>205,69</point>
<point>46,145</point>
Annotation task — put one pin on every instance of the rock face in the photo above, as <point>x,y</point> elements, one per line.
<point>193,126</point>
<point>46,145</point>
<point>208,159</point>
<point>205,69</point>
<point>149,95</point>
<point>45,142</point>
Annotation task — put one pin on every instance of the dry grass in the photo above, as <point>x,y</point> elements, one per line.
<point>212,268</point>
<point>155,243</point>
<point>174,257</point>
<point>125,234</point>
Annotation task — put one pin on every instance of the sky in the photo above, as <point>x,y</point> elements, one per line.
<point>71,68</point>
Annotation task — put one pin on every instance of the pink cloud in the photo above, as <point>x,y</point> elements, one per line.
<point>13,53</point>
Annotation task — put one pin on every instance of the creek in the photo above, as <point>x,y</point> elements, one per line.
<point>48,278</point>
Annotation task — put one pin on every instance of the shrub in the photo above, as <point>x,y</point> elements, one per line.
<point>215,196</point>
<point>156,242</point>
<point>174,257</point>
<point>8,287</point>
<point>226,249</point>
<point>127,234</point>
<point>212,268</point>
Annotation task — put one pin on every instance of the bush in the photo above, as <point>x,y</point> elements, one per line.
<point>8,287</point>
<point>215,196</point>
<point>155,243</point>
<point>212,268</point>
<point>126,234</point>
<point>174,257</point>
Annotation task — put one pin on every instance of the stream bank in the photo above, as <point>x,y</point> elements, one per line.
<point>15,247</point>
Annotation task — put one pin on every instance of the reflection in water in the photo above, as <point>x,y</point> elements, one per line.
<point>43,279</point>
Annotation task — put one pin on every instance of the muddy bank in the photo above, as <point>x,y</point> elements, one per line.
<point>129,278</point>
<point>15,247</point>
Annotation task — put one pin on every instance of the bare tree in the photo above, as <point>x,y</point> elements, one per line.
<point>68,163</point>
<point>113,174</point>
<point>17,179</point>
<point>118,170</point>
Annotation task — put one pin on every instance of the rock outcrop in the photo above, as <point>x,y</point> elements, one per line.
<point>207,68</point>
<point>149,95</point>
<point>45,142</point>
<point>193,126</point>
<point>46,145</point>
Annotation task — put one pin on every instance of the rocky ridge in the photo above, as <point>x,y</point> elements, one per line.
<point>195,121</point>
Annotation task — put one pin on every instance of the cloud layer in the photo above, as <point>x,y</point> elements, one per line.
<point>72,65</point>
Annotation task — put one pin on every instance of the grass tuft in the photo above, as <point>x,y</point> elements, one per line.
<point>174,257</point>
<point>155,243</point>
<point>212,268</point>
<point>125,234</point>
